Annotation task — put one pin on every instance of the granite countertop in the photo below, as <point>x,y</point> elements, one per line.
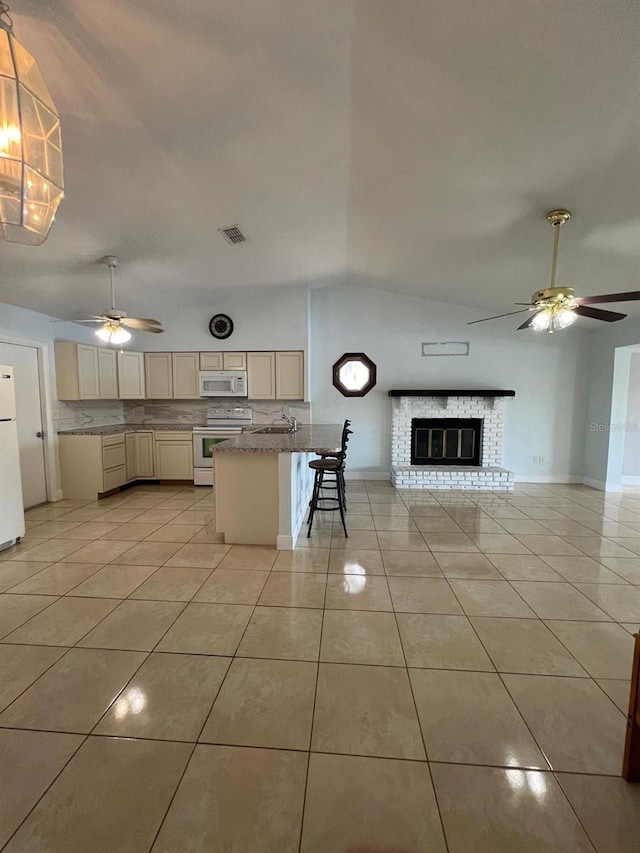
<point>310,438</point>
<point>115,429</point>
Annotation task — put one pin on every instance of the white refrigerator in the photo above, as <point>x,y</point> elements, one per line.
<point>11,506</point>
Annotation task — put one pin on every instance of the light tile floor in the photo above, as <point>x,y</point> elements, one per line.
<point>451,677</point>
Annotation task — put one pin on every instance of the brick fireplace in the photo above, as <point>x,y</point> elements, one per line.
<point>434,425</point>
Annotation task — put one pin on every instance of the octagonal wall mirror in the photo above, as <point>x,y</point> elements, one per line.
<point>354,374</point>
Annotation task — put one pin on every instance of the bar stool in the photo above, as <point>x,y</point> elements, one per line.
<point>346,432</point>
<point>332,465</point>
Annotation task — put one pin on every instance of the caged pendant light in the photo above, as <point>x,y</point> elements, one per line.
<point>31,183</point>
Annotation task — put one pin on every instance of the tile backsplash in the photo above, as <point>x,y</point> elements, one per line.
<point>195,411</point>
<point>75,414</point>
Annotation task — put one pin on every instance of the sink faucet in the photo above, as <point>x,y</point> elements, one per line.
<point>293,423</point>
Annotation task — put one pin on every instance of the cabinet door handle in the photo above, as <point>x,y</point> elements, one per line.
<point>39,434</point>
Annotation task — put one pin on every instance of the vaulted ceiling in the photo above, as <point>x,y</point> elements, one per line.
<point>411,145</point>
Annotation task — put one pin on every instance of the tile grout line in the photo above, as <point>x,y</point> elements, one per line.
<point>417,714</point>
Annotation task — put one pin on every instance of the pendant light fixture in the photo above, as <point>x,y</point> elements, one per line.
<point>31,183</point>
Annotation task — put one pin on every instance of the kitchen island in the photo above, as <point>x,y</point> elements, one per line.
<point>263,483</point>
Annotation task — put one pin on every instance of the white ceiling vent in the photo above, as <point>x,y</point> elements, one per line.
<point>232,234</point>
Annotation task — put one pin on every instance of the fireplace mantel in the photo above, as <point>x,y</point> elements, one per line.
<point>448,392</point>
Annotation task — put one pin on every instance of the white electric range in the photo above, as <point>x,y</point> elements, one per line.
<point>223,422</point>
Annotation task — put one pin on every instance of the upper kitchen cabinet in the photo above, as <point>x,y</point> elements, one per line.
<point>289,375</point>
<point>107,374</point>
<point>131,375</point>
<point>275,375</point>
<point>185,375</point>
<point>261,375</point>
<point>158,372</point>
<point>223,361</point>
<point>77,371</point>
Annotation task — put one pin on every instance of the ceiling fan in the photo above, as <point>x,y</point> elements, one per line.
<point>114,321</point>
<point>556,307</point>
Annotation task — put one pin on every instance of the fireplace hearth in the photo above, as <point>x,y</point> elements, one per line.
<point>446,441</point>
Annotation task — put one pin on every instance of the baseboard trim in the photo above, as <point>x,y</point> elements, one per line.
<point>548,478</point>
<point>629,480</point>
<point>285,543</point>
<point>595,484</point>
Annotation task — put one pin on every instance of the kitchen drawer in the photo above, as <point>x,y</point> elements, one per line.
<point>173,435</point>
<point>114,477</point>
<point>110,440</point>
<point>113,456</point>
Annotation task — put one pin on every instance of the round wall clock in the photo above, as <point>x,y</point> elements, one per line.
<point>221,326</point>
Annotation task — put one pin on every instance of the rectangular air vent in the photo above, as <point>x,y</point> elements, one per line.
<point>233,234</point>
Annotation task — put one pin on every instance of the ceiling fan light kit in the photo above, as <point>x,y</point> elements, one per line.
<point>31,177</point>
<point>114,322</point>
<point>556,308</point>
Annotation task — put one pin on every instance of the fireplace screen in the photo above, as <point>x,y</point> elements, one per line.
<point>446,441</point>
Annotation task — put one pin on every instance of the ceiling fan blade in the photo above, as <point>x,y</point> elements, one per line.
<point>632,296</point>
<point>138,323</point>
<point>497,317</point>
<point>527,323</point>
<point>599,314</point>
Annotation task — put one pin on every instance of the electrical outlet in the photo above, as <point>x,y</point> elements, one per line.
<point>538,460</point>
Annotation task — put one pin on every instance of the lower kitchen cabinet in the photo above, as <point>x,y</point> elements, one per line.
<point>174,455</point>
<point>140,456</point>
<point>91,465</point>
<point>145,456</point>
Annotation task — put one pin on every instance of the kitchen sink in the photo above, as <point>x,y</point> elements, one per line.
<point>274,430</point>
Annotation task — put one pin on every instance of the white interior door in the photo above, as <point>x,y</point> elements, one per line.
<point>24,360</point>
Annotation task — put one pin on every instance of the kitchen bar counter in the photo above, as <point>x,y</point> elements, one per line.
<point>263,483</point>
<point>310,438</point>
<point>117,429</point>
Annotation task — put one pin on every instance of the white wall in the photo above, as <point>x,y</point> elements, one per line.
<point>600,370</point>
<point>264,319</point>
<point>546,418</point>
<point>631,458</point>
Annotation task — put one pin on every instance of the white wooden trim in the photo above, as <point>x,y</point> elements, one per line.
<point>50,444</point>
<point>595,484</point>
<point>548,478</point>
<point>630,480</point>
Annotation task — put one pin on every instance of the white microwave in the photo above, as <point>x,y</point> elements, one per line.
<point>223,383</point>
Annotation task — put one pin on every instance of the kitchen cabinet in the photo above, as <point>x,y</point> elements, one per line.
<point>275,375</point>
<point>140,455</point>
<point>174,455</point>
<point>211,361</point>
<point>289,375</point>
<point>107,374</point>
<point>91,464</point>
<point>131,454</point>
<point>261,375</point>
<point>158,374</point>
<point>77,373</point>
<point>145,455</point>
<point>223,361</point>
<point>185,375</point>
<point>131,375</point>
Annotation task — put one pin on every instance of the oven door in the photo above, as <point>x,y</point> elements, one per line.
<point>203,444</point>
